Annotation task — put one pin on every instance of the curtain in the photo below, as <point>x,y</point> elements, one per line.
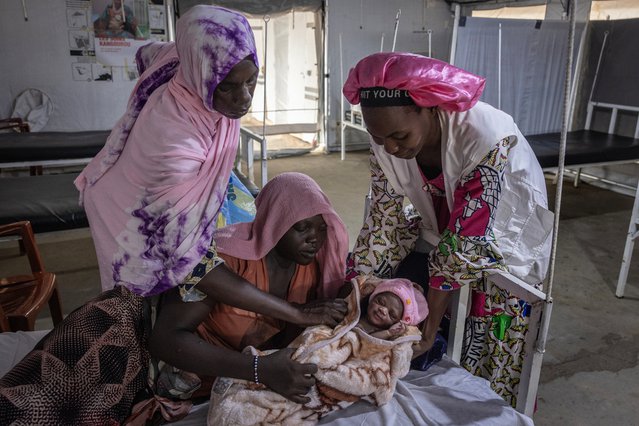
<point>533,63</point>
<point>257,7</point>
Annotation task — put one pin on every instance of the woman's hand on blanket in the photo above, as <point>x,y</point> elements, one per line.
<point>326,312</point>
<point>289,378</point>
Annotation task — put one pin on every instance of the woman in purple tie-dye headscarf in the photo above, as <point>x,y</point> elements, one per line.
<point>151,196</point>
<point>153,192</point>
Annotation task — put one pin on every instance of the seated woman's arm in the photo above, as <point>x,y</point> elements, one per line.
<point>225,286</point>
<point>174,341</point>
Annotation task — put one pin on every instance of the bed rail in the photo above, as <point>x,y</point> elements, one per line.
<point>615,108</point>
<point>247,137</point>
<point>533,347</point>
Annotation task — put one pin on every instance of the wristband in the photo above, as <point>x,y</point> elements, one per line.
<point>255,377</point>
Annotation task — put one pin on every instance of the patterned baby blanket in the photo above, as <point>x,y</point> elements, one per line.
<point>352,366</point>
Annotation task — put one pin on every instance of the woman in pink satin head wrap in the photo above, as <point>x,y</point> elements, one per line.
<point>478,200</point>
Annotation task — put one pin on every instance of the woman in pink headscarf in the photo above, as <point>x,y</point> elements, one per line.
<point>478,202</point>
<point>151,196</point>
<point>294,250</point>
<point>153,193</point>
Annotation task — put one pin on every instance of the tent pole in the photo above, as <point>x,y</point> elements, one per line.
<point>594,80</point>
<point>170,20</point>
<point>562,145</point>
<point>499,69</point>
<point>341,101</point>
<point>324,74</point>
<point>540,348</point>
<point>322,81</point>
<point>399,12</point>
<point>453,42</point>
<point>263,151</point>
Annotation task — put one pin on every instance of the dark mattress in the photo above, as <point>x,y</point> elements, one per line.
<point>41,146</point>
<point>50,202</point>
<point>584,147</point>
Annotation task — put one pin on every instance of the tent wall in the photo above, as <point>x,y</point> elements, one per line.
<point>362,28</point>
<point>616,83</point>
<point>556,10</point>
<point>292,73</point>
<point>257,7</point>
<point>36,54</point>
<point>532,67</point>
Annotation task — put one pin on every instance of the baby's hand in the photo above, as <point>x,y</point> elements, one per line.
<point>366,289</point>
<point>397,329</point>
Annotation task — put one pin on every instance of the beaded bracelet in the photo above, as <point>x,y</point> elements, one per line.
<point>255,378</point>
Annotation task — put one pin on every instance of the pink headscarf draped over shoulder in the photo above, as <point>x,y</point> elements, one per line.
<point>153,192</point>
<point>429,82</point>
<point>285,200</point>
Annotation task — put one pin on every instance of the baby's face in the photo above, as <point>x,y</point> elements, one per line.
<point>384,310</point>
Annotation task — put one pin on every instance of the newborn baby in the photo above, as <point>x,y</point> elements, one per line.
<point>361,359</point>
<point>393,304</point>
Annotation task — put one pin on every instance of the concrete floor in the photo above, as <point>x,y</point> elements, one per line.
<point>590,374</point>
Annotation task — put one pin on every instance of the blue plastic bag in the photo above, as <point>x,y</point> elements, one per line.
<point>239,204</point>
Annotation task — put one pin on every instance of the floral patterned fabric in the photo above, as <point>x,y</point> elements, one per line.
<point>466,254</point>
<point>468,248</point>
<point>388,234</point>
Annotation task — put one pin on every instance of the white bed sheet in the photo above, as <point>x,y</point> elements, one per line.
<point>14,346</point>
<point>446,394</point>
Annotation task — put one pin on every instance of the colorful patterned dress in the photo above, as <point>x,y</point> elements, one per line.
<point>466,254</point>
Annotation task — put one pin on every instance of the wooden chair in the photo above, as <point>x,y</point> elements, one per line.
<point>23,296</point>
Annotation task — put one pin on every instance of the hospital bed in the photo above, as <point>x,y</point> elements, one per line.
<point>49,202</point>
<point>19,150</point>
<point>587,148</point>
<point>444,394</point>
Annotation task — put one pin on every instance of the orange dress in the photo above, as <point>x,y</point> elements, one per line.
<point>235,328</point>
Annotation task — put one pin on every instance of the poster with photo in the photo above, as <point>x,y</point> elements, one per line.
<point>121,19</point>
<point>121,27</point>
